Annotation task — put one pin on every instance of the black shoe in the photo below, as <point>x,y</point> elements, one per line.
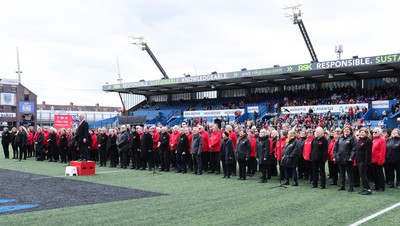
<point>199,174</point>
<point>184,172</point>
<point>322,187</point>
<point>227,177</point>
<point>366,192</point>
<point>262,181</point>
<point>380,190</point>
<point>286,182</point>
<point>333,183</point>
<point>210,172</point>
<point>224,177</point>
<point>341,189</point>
<point>350,190</point>
<point>314,186</point>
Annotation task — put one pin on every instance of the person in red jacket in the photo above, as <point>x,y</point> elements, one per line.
<point>205,155</point>
<point>46,147</point>
<point>233,137</point>
<point>280,145</point>
<point>306,154</point>
<point>252,163</point>
<point>173,141</point>
<point>215,146</point>
<point>378,159</point>
<point>156,139</point>
<point>189,159</point>
<point>30,141</point>
<point>332,166</point>
<point>94,149</point>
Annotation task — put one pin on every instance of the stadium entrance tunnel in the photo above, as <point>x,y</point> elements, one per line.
<point>21,193</point>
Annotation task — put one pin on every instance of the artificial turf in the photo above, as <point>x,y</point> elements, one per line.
<point>205,200</point>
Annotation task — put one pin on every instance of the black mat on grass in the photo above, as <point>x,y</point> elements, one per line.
<point>55,192</point>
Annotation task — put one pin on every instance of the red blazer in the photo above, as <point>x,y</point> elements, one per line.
<point>280,145</point>
<point>190,139</point>
<point>253,144</point>
<point>30,138</point>
<point>331,146</point>
<point>378,150</point>
<point>94,142</point>
<point>307,148</point>
<point>206,141</point>
<point>173,140</point>
<point>215,141</point>
<point>156,138</point>
<point>233,137</point>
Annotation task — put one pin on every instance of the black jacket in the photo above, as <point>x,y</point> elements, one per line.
<point>83,133</point>
<point>393,149</point>
<point>263,150</point>
<point>103,141</point>
<point>112,144</point>
<point>197,144</point>
<point>147,142</point>
<point>183,144</point>
<point>39,141</point>
<point>300,145</point>
<point>135,141</point>
<point>227,152</point>
<point>164,141</point>
<point>6,138</point>
<point>290,154</point>
<point>345,150</point>
<point>243,148</point>
<point>364,150</point>
<point>319,149</point>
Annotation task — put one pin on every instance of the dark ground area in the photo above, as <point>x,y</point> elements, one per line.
<point>50,193</point>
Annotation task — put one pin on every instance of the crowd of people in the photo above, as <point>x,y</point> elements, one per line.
<point>289,151</point>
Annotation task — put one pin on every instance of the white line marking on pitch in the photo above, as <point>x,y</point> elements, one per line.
<point>375,215</point>
<point>41,178</point>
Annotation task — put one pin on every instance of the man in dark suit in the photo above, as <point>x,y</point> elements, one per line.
<point>82,134</point>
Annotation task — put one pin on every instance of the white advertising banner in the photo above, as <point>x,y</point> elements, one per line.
<point>321,108</point>
<point>212,113</point>
<point>380,104</point>
<point>252,109</point>
<point>8,115</point>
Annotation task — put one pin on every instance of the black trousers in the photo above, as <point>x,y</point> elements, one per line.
<point>181,165</point>
<point>138,158</point>
<point>63,154</point>
<point>15,151</point>
<point>242,168</point>
<point>391,167</point>
<point>103,156</point>
<point>342,175</point>
<point>319,172</point>
<point>6,150</point>
<point>83,149</point>
<point>22,151</point>
<point>29,148</point>
<point>156,157</point>
<point>362,167</point>
<point>173,158</point>
<point>377,174</point>
<point>123,155</point>
<point>197,163</point>
<point>205,157</point>
<point>214,163</point>
<point>281,171</point>
<point>263,168</point>
<point>147,157</point>
<point>333,171</point>
<point>114,158</point>
<point>252,167</point>
<point>165,158</point>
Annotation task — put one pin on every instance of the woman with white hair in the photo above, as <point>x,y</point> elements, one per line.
<point>319,154</point>
<point>378,159</point>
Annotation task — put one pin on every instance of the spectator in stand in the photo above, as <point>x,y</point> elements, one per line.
<point>378,159</point>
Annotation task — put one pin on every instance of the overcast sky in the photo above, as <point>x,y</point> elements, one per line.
<point>68,49</point>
